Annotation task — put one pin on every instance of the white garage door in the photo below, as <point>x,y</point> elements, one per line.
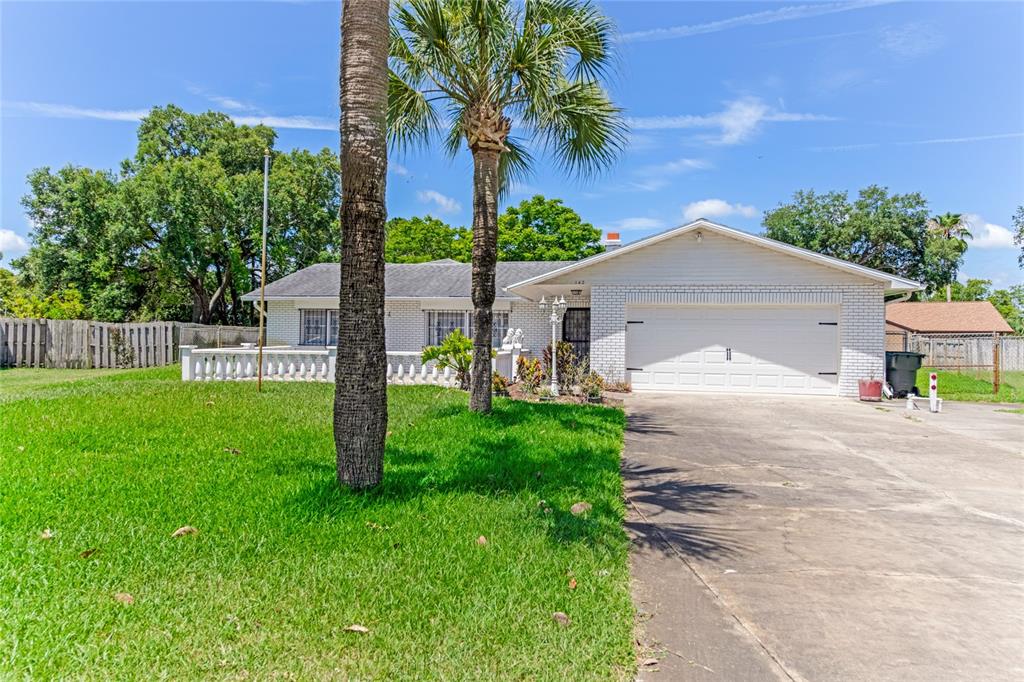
<point>733,349</point>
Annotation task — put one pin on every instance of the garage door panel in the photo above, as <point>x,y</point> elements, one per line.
<point>712,379</point>
<point>734,348</point>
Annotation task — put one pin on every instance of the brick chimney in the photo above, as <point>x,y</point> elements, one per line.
<point>611,241</point>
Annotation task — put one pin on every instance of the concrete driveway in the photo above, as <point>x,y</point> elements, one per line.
<point>811,539</point>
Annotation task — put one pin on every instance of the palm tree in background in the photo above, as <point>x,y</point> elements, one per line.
<point>468,71</point>
<point>360,396</point>
<point>951,227</point>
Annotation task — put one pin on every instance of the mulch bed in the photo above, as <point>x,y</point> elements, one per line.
<point>611,399</point>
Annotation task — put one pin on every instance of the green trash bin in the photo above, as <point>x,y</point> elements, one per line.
<point>901,372</point>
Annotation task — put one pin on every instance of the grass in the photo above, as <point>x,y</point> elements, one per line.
<point>974,386</point>
<point>284,560</point>
<point>16,383</point>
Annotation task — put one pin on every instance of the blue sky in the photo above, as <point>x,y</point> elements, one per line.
<point>733,106</point>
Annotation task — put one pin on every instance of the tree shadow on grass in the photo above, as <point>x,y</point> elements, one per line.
<point>663,501</point>
<point>560,454</point>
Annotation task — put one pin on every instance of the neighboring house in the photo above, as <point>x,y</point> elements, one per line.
<point>974,318</point>
<point>941,319</point>
<point>702,307</point>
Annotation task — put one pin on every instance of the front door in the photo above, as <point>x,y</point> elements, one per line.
<point>576,331</point>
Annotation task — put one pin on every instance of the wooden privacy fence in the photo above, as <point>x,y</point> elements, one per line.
<point>969,352</point>
<point>83,344</point>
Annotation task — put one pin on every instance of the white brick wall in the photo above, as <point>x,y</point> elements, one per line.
<point>861,320</point>
<point>282,323</point>
<point>405,326</point>
<point>535,323</point>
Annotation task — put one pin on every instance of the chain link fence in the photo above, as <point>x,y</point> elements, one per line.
<point>992,359</point>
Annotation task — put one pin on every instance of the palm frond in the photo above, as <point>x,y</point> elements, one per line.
<point>515,165</point>
<point>411,118</point>
<point>580,126</point>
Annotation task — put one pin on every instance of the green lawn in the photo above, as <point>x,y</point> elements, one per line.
<point>975,386</point>
<point>283,560</point>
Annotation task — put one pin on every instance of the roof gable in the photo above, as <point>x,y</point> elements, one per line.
<point>683,259</point>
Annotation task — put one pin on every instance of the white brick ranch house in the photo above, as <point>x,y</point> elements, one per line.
<point>702,307</point>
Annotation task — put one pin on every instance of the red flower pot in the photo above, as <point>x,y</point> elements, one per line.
<point>870,390</point>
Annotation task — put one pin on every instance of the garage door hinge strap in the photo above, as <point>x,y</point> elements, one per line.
<point>829,324</point>
<point>634,369</point>
<point>828,374</point>
<point>634,321</point>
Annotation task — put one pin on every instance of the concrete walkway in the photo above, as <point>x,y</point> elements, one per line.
<point>826,539</point>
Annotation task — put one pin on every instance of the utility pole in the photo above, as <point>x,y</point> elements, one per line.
<point>263,268</point>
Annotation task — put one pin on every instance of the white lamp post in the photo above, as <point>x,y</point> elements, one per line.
<point>557,308</point>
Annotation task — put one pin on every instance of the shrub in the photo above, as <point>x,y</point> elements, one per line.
<point>456,353</point>
<point>566,361</point>
<point>499,384</point>
<point>592,385</point>
<point>529,373</point>
<point>619,387</point>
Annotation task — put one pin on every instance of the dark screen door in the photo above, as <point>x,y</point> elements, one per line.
<point>576,331</point>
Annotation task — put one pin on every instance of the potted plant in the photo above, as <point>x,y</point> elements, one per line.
<point>870,389</point>
<point>545,394</point>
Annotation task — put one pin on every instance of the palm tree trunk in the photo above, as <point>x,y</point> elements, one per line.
<point>360,394</point>
<point>485,255</point>
<point>949,293</point>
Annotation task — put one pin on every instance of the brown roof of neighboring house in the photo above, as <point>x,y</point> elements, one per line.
<point>958,317</point>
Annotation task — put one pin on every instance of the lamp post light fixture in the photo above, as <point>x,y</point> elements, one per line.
<point>557,307</point>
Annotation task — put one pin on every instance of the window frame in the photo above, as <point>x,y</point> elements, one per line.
<point>501,320</point>
<point>327,323</point>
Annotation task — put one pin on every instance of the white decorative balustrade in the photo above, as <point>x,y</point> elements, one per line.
<point>280,363</point>
<point>408,369</point>
<point>289,363</point>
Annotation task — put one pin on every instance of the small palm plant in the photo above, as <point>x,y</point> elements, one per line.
<point>468,70</point>
<point>455,353</point>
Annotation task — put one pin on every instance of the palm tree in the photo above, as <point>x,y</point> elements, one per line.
<point>951,227</point>
<point>360,397</point>
<point>468,70</point>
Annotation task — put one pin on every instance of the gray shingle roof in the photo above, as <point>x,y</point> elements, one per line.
<point>437,279</point>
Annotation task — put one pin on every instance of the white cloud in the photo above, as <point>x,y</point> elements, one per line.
<point>444,203</point>
<point>770,16</point>
<point>12,244</point>
<point>911,40</point>
<point>988,235</point>
<point>135,115</point>
<point>69,111</point>
<point>674,167</point>
<point>293,122</point>
<point>716,208</point>
<point>736,123</point>
<point>397,168</point>
<point>906,143</point>
<point>223,102</point>
<point>637,223</point>
<point>645,185</point>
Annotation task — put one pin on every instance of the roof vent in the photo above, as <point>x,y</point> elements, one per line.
<point>611,241</point>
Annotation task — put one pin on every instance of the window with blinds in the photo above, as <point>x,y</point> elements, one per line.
<point>441,323</point>
<point>318,327</point>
